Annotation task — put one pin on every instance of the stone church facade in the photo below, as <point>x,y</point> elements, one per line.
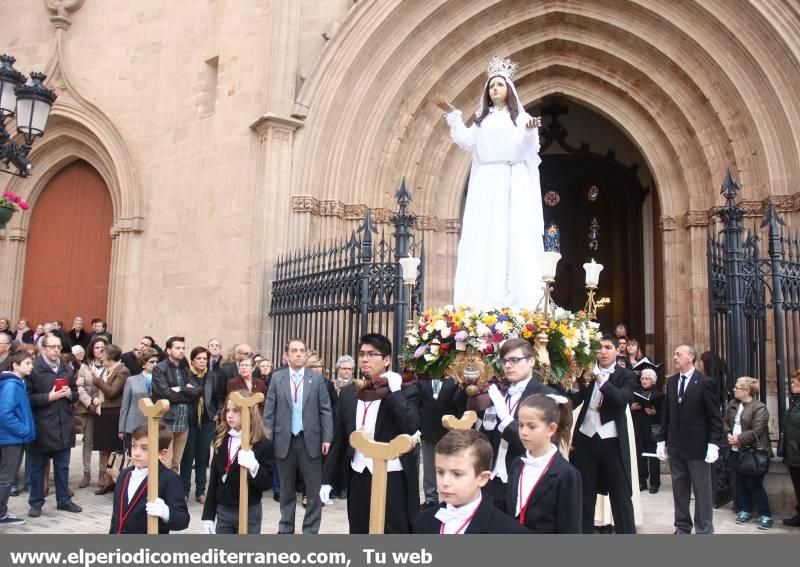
<point>227,132</point>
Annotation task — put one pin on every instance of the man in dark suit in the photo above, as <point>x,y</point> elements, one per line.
<point>131,358</point>
<point>384,419</point>
<point>602,448</point>
<point>499,421</point>
<point>691,433</point>
<point>437,398</point>
<point>298,414</point>
<point>231,370</point>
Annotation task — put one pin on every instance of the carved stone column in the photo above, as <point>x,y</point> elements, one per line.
<point>12,270</point>
<point>273,223</point>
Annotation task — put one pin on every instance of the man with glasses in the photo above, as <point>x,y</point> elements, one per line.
<point>345,371</point>
<point>499,421</point>
<point>240,352</point>
<point>691,434</point>
<point>600,438</point>
<point>383,419</point>
<point>52,392</point>
<point>298,414</point>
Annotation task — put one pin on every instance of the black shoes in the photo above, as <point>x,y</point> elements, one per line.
<point>34,512</point>
<point>654,489</point>
<point>794,521</point>
<point>105,490</point>
<point>276,496</point>
<point>71,507</point>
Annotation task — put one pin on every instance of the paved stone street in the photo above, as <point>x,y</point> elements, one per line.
<point>656,511</point>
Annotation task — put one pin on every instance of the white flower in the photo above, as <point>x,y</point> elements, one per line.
<point>445,332</point>
<point>439,325</point>
<point>430,357</point>
<point>482,330</point>
<point>413,340</point>
<point>426,335</point>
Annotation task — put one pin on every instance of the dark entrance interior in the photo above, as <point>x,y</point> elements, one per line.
<point>595,201</point>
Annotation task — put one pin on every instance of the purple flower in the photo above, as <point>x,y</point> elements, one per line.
<point>461,337</point>
<point>420,351</point>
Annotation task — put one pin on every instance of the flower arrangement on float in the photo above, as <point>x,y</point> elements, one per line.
<point>566,342</point>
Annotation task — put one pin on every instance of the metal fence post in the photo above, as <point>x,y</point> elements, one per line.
<point>403,220</point>
<point>776,255</point>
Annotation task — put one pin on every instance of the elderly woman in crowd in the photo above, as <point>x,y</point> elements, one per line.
<point>136,387</point>
<point>746,424</point>
<point>791,445</point>
<point>111,385</point>
<point>246,381</point>
<point>87,411</point>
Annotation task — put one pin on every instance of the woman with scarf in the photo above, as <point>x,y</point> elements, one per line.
<point>504,197</point>
<point>202,423</point>
<point>87,410</point>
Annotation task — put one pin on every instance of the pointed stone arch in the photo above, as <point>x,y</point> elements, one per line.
<point>696,90</point>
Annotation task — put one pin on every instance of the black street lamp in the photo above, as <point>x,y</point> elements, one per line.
<point>30,103</point>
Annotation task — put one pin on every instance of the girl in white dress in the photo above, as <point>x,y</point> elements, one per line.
<point>499,255</point>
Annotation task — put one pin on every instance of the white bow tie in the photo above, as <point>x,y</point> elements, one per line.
<point>452,514</point>
<point>137,474</point>
<point>516,388</point>
<point>538,462</point>
<point>603,371</point>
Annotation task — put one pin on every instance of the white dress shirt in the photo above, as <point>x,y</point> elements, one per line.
<point>367,414</point>
<point>591,422</point>
<point>138,476</point>
<point>513,398</point>
<point>531,472</point>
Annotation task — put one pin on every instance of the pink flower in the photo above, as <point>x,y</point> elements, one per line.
<point>420,351</point>
<point>461,337</point>
<point>23,205</point>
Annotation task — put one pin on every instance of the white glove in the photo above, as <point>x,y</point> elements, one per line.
<point>208,527</point>
<point>325,493</point>
<point>247,459</point>
<point>158,508</point>
<point>661,450</point>
<point>394,380</point>
<point>499,402</point>
<point>712,453</point>
<point>417,437</point>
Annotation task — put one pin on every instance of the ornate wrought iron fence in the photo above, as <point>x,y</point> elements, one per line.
<point>745,284</point>
<point>331,295</point>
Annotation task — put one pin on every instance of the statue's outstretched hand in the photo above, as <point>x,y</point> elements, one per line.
<point>534,122</point>
<point>441,102</point>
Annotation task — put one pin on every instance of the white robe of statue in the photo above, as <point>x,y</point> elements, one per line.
<point>499,254</point>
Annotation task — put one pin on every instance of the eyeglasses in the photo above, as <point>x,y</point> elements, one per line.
<point>512,360</point>
<point>347,368</point>
<point>154,361</point>
<point>52,346</point>
<point>368,354</point>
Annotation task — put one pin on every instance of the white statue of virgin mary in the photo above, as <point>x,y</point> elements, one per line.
<point>500,252</point>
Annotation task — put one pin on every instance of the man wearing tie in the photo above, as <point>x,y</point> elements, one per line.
<point>298,416</point>
<point>691,432</point>
<point>602,448</point>
<point>499,421</point>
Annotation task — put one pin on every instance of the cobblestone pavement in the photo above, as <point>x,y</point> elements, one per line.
<point>657,512</point>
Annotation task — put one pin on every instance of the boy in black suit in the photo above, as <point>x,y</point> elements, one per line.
<point>463,460</point>
<point>131,507</point>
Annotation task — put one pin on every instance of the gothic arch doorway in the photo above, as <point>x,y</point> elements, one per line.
<point>68,253</point>
<point>599,193</point>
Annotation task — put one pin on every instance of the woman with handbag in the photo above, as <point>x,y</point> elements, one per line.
<point>109,399</point>
<point>746,424</point>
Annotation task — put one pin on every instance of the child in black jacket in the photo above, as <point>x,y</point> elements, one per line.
<point>222,499</point>
<point>131,507</point>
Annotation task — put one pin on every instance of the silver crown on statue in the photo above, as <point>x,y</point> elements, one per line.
<point>502,68</point>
